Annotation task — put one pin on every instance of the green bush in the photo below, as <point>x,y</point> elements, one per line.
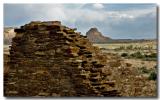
<point>120,48</point>
<point>152,76</point>
<point>144,70</point>
<point>124,54</point>
<point>103,49</point>
<point>155,66</point>
<point>153,55</point>
<point>137,55</point>
<point>150,59</point>
<point>130,47</point>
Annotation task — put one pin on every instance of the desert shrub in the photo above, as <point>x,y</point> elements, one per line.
<point>103,49</point>
<point>151,57</point>
<point>120,48</point>
<point>135,47</point>
<point>149,47</point>
<point>155,66</point>
<point>130,47</point>
<point>124,54</point>
<point>152,76</point>
<point>144,70</point>
<point>137,55</point>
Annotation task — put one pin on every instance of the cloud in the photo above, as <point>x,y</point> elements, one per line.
<point>113,23</point>
<point>98,6</point>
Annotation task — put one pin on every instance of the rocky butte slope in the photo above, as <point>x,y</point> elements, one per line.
<point>49,59</point>
<point>96,37</point>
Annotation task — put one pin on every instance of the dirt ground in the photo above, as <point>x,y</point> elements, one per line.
<point>131,74</point>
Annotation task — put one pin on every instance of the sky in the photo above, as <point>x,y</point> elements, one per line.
<point>118,21</point>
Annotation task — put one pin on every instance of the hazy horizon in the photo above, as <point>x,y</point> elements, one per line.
<point>118,21</point>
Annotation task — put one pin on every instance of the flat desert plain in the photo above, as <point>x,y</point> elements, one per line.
<point>139,77</point>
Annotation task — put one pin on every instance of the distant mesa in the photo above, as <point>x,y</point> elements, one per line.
<point>96,37</point>
<point>8,35</point>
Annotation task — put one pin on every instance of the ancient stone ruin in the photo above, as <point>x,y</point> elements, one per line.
<point>49,59</point>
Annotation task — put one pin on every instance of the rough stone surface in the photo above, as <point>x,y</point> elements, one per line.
<point>49,59</point>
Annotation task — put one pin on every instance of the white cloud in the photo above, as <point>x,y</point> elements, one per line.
<point>98,6</point>
<point>71,13</point>
<point>81,17</point>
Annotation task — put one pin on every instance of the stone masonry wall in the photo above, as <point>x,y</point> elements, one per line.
<point>49,59</point>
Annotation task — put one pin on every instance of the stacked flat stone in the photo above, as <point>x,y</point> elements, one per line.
<point>49,59</point>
